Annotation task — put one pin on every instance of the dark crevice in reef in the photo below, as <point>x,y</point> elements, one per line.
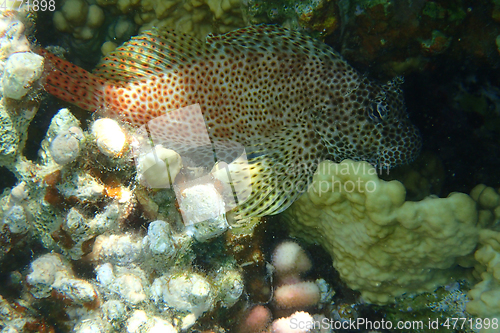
<point>38,128</point>
<point>45,33</point>
<point>15,265</point>
<point>458,113</point>
<point>83,269</point>
<point>7,179</point>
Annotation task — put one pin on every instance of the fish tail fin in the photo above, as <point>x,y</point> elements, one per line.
<point>280,169</point>
<point>71,83</point>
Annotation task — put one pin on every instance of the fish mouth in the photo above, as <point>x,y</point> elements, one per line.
<point>404,152</point>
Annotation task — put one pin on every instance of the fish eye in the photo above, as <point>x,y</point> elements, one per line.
<point>377,111</point>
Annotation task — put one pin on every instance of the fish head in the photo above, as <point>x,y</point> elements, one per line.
<point>371,123</point>
<point>397,139</point>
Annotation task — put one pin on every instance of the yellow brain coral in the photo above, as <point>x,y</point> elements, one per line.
<point>380,244</point>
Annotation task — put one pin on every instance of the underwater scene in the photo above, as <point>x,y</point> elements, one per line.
<point>249,166</point>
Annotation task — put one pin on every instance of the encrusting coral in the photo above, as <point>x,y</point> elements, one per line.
<point>20,70</point>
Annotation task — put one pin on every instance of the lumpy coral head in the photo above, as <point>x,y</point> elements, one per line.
<point>380,244</point>
<point>297,295</point>
<point>256,320</point>
<point>290,259</point>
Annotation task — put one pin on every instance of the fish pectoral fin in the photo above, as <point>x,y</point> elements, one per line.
<point>280,168</point>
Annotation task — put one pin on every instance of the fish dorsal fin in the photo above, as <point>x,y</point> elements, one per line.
<point>160,50</point>
<point>264,38</point>
<point>154,51</point>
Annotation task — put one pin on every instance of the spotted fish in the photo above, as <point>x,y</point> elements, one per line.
<point>290,100</point>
